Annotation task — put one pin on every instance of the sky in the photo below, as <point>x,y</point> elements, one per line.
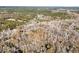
<point>39,2</point>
